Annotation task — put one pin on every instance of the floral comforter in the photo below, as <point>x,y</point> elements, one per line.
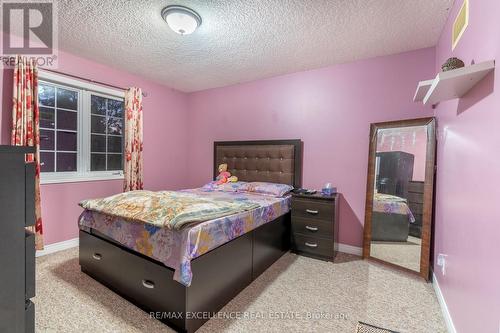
<point>168,209</point>
<point>385,203</point>
<point>176,248</point>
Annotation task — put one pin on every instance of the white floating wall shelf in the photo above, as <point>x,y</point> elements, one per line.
<point>452,84</point>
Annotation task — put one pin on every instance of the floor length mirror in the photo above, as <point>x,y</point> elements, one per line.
<point>399,195</point>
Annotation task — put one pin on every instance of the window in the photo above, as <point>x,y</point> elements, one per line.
<point>58,128</point>
<point>81,130</point>
<point>106,134</point>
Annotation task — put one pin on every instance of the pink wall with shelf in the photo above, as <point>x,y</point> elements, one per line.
<point>330,109</point>
<point>467,189</point>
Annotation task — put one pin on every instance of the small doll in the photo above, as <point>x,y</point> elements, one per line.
<point>224,175</point>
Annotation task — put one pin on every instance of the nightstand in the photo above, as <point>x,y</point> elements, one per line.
<point>315,226</point>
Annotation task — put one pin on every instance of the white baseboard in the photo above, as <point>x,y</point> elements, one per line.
<point>68,244</point>
<point>442,304</point>
<point>56,247</point>
<point>350,249</point>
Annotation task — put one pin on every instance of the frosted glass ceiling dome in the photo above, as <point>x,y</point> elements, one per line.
<point>181,19</point>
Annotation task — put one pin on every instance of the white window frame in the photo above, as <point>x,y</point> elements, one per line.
<point>83,127</point>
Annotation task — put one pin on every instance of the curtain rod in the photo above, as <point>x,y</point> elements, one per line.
<point>145,94</point>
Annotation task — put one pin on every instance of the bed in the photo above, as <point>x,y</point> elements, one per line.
<point>184,277</point>
<point>391,218</point>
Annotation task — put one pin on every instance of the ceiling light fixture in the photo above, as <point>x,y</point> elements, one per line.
<point>181,19</point>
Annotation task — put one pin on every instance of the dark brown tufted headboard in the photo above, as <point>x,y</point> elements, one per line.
<point>276,161</point>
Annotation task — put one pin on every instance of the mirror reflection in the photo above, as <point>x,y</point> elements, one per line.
<point>396,234</point>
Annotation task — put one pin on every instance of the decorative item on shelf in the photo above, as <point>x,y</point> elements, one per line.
<point>328,189</point>
<point>452,84</point>
<point>452,63</point>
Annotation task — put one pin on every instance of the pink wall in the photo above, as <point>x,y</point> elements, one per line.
<point>330,109</point>
<point>412,140</point>
<point>165,143</point>
<point>468,177</point>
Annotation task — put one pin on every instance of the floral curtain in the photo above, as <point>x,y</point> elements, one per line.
<point>25,127</point>
<point>133,140</point>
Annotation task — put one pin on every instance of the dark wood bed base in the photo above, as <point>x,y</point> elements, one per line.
<point>218,276</point>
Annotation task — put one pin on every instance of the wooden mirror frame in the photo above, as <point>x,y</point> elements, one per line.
<point>427,215</point>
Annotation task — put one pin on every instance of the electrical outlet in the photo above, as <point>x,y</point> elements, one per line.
<point>441,262</point>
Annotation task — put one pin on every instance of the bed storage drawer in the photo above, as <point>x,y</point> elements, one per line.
<point>144,282</point>
<point>313,209</point>
<point>271,241</point>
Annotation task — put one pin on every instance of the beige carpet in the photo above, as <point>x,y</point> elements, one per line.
<point>406,254</point>
<point>338,295</point>
<point>367,328</point>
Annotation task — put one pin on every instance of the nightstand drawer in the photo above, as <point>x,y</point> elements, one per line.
<point>312,227</point>
<point>314,209</point>
<point>314,246</point>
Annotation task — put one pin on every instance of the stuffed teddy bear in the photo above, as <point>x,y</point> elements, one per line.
<point>224,175</point>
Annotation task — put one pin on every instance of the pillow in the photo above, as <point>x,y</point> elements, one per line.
<point>274,189</point>
<point>226,187</point>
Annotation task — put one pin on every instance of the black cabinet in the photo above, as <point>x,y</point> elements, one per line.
<point>394,172</point>
<point>17,245</point>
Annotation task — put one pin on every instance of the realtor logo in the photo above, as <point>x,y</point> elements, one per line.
<point>29,29</point>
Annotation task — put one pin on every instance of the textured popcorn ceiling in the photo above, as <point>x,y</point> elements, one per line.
<point>244,40</point>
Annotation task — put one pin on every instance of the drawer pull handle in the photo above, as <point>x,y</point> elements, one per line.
<point>311,244</point>
<point>311,228</point>
<point>310,211</point>
<point>148,284</point>
<point>97,256</point>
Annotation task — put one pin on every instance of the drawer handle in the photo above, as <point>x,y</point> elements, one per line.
<point>311,244</point>
<point>148,284</point>
<point>97,256</point>
<point>310,211</point>
<point>311,228</point>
